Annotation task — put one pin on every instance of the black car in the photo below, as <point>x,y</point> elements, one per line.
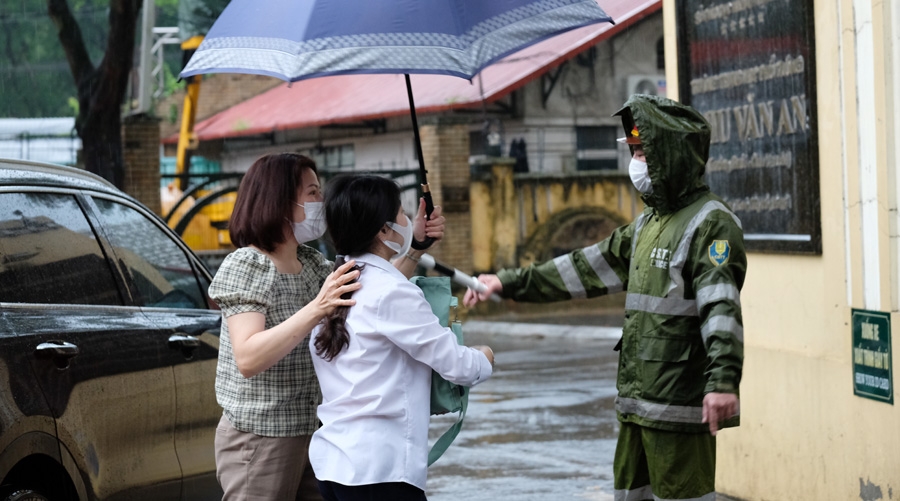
<point>108,345</point>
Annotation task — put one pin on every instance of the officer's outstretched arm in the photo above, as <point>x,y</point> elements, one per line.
<point>592,271</point>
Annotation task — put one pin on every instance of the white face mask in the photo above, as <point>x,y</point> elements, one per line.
<point>311,228</point>
<point>406,232</point>
<point>640,177</point>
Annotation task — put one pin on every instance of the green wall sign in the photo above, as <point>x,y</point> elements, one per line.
<point>872,365</point>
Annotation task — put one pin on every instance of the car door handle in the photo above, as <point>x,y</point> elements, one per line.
<point>56,349</point>
<point>183,341</point>
<point>59,351</point>
<point>187,344</point>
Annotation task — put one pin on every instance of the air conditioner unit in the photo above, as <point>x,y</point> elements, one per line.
<point>645,84</point>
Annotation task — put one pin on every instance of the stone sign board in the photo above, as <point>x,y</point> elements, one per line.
<point>749,67</point>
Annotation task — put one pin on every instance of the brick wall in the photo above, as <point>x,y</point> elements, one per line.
<point>445,146</point>
<point>218,92</point>
<point>140,142</point>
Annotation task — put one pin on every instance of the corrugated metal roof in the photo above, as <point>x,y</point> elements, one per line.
<point>353,98</point>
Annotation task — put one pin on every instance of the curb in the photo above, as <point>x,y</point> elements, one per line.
<point>541,330</point>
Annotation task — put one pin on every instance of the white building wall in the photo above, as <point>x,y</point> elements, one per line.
<point>585,96</point>
<point>50,140</point>
<point>394,151</point>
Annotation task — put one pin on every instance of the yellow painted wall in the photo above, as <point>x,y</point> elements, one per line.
<point>482,226</point>
<point>804,434</point>
<point>542,197</point>
<point>507,209</point>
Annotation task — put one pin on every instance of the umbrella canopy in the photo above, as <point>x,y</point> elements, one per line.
<point>294,39</point>
<point>298,39</point>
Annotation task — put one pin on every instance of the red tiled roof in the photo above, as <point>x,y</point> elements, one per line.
<point>353,98</point>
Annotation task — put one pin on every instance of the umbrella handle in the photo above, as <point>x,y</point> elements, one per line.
<point>426,192</point>
<point>429,208</point>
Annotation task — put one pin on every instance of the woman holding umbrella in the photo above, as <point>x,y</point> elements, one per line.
<point>272,291</point>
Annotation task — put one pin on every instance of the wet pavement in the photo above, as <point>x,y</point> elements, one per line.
<point>542,428</point>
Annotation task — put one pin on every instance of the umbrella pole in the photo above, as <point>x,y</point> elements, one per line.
<point>426,191</point>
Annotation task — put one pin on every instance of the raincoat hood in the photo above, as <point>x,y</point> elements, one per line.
<point>675,139</point>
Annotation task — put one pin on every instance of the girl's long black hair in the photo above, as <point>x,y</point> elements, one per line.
<point>356,208</point>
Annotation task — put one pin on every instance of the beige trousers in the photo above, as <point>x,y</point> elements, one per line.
<point>255,468</point>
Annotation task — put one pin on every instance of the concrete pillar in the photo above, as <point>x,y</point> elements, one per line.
<point>445,147</point>
<point>140,142</point>
<point>492,194</point>
<point>503,198</point>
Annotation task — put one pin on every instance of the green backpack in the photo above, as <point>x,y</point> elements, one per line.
<point>445,396</point>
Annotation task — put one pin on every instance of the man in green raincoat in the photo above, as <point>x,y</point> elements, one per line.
<point>682,265</point>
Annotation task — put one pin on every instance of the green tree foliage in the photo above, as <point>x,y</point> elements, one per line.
<point>167,15</point>
<point>59,57</point>
<point>100,86</point>
<point>196,17</point>
<point>35,80</point>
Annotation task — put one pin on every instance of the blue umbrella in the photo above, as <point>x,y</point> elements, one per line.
<point>298,39</point>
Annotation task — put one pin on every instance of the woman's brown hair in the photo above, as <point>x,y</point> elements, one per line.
<point>265,200</point>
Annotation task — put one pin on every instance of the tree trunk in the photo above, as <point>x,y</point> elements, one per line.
<point>101,144</point>
<point>101,90</point>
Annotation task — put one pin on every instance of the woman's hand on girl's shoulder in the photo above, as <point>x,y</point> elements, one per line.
<point>338,288</point>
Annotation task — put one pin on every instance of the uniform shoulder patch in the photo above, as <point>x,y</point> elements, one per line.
<point>719,250</point>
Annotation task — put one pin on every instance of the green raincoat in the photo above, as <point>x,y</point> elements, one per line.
<point>682,265</point>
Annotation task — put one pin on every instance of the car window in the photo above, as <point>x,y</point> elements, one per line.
<point>49,254</point>
<point>204,287</point>
<point>161,271</point>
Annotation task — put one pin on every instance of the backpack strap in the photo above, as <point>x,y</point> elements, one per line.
<point>441,445</point>
<point>437,293</point>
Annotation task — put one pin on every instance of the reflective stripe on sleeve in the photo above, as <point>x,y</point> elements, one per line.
<point>659,412</point>
<point>722,323</point>
<point>718,292</point>
<point>602,268</point>
<point>661,305</point>
<point>710,496</point>
<point>638,494</point>
<point>569,275</point>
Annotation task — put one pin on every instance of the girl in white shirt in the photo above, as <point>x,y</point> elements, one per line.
<point>374,359</point>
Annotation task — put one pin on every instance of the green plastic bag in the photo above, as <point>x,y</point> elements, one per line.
<point>445,396</point>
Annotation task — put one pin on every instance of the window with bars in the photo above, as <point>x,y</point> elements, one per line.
<point>596,147</point>
<point>339,157</point>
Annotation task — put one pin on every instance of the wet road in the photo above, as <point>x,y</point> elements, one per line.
<point>542,428</point>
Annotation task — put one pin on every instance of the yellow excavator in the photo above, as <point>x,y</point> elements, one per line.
<point>187,139</point>
<point>199,212</point>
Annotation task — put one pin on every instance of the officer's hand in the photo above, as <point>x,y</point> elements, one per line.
<point>493,286</point>
<point>718,407</point>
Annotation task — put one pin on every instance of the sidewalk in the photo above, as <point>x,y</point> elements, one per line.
<point>488,327</point>
<point>598,318</point>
